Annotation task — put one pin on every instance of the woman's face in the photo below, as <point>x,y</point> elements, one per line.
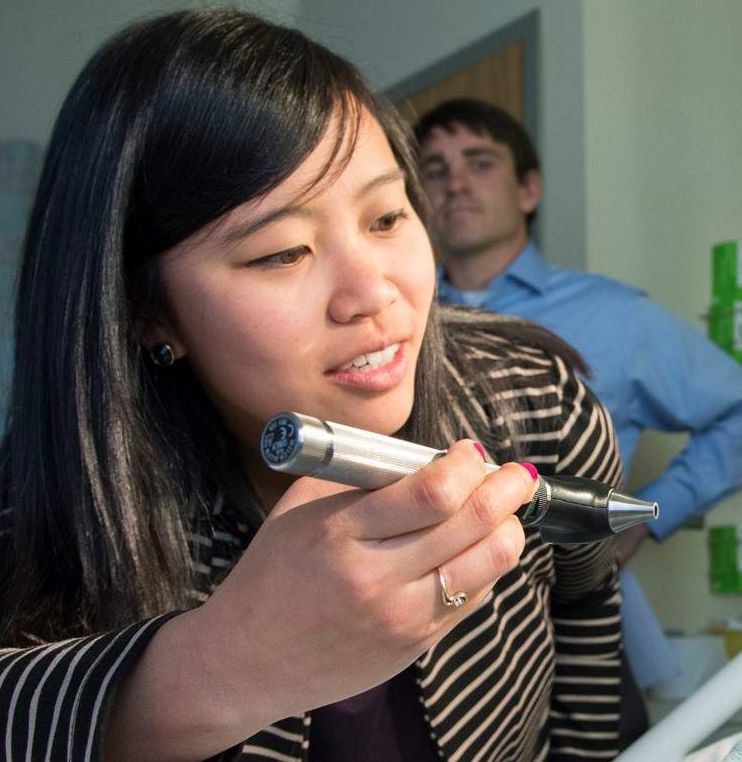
<point>315,303</point>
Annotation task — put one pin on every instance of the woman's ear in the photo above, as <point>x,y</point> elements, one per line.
<point>154,332</point>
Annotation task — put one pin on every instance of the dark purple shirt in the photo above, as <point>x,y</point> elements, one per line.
<point>385,723</point>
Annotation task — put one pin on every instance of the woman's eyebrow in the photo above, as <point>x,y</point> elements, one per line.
<point>386,178</point>
<point>239,231</point>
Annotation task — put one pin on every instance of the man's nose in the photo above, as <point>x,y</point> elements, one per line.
<point>457,179</point>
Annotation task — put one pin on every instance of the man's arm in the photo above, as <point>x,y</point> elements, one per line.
<point>681,382</point>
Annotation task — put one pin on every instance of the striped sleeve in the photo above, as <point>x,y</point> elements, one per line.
<point>585,600</point>
<point>54,698</point>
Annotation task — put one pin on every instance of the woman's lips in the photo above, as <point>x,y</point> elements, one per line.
<point>372,377</point>
<point>372,360</point>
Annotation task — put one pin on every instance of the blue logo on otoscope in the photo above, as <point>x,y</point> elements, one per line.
<point>279,440</point>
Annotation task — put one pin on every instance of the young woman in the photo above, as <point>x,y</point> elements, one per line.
<point>229,224</point>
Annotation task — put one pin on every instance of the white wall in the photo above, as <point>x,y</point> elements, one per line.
<point>663,109</point>
<point>663,158</point>
<point>45,43</point>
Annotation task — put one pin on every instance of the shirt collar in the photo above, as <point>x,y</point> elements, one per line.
<point>529,269</point>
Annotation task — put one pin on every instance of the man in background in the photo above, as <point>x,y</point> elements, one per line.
<point>651,370</point>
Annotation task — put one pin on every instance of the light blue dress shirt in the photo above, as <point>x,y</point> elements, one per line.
<point>652,371</point>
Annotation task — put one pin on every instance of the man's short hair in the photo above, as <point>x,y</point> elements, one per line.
<point>482,118</point>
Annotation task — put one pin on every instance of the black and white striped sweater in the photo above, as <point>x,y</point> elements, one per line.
<point>532,674</point>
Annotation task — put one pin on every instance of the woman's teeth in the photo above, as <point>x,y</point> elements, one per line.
<point>372,359</point>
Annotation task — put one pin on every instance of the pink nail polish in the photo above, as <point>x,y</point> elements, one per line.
<point>480,450</point>
<point>532,470</point>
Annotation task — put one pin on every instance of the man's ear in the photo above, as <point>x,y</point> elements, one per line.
<point>531,190</point>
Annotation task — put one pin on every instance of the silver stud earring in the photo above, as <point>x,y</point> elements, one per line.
<point>162,355</point>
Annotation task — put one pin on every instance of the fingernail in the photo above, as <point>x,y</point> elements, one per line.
<point>480,450</point>
<point>532,470</point>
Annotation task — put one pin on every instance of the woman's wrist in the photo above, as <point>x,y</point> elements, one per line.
<point>191,695</point>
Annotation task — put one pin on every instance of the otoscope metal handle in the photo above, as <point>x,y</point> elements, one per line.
<point>566,509</point>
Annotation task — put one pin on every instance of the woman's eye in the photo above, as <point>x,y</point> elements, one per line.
<point>283,258</point>
<point>389,221</point>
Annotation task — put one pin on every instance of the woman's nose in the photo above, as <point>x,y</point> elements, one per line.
<point>362,287</point>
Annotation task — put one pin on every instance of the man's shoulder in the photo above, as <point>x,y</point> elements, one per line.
<point>594,283</point>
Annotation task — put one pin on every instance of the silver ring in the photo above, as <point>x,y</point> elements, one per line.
<point>455,600</point>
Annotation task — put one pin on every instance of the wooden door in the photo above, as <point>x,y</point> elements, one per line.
<point>497,78</point>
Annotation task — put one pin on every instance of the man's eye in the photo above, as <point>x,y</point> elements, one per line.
<point>432,174</point>
<point>389,221</point>
<point>482,165</point>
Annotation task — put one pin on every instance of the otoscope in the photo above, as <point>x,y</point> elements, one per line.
<point>566,509</point>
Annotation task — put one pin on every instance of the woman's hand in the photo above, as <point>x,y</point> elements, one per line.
<point>338,591</point>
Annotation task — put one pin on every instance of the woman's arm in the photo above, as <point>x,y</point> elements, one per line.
<point>54,698</point>
<point>338,591</point>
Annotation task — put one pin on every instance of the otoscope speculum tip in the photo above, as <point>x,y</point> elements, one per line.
<point>625,511</point>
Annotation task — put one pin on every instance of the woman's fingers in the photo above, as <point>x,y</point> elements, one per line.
<point>454,491</point>
<point>420,500</point>
<point>476,569</point>
<point>415,502</point>
<point>430,518</point>
<point>358,571</point>
<point>480,517</point>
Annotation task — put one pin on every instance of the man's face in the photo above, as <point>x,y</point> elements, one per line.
<point>477,200</point>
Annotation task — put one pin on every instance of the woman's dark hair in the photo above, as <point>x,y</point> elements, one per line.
<point>109,460</point>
